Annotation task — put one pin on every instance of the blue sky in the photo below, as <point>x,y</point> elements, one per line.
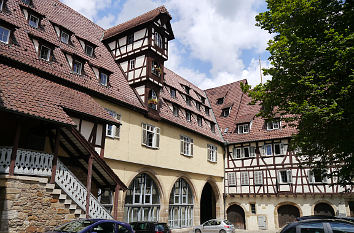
<point>216,41</point>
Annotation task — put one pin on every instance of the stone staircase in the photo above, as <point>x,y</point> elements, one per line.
<point>58,194</point>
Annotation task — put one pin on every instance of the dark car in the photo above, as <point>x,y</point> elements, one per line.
<point>313,217</point>
<point>94,225</point>
<point>150,227</point>
<point>319,226</point>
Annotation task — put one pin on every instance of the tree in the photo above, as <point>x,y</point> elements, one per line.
<point>312,86</point>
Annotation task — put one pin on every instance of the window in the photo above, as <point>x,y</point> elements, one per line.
<point>113,130</point>
<point>33,21</point>
<point>152,99</point>
<point>267,149</point>
<point>202,99</point>
<point>285,177</point>
<point>158,40</point>
<point>212,127</point>
<point>44,53</point>
<point>236,153</point>
<point>197,105</point>
<point>188,100</point>
<point>200,121</point>
<point>278,149</point>
<point>244,178</point>
<point>244,152</point>
<point>89,50</point>
<point>180,205</point>
<point>316,176</point>
<point>220,101</point>
<point>151,136</point>
<point>132,64</point>
<point>64,37</point>
<point>4,35</point>
<point>173,92</point>
<point>226,130</point>
<point>103,79</point>
<point>207,111</point>
<point>258,178</point>
<point>186,146</point>
<point>226,112</point>
<point>175,110</point>
<point>142,201</point>
<point>77,67</point>
<point>271,125</point>
<point>187,89</point>
<point>212,153</point>
<point>244,128</point>
<point>253,208</point>
<point>130,39</point>
<point>27,2</point>
<point>156,68</point>
<point>231,178</point>
<point>188,115</point>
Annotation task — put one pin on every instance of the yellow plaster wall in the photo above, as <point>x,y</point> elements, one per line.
<point>128,147</point>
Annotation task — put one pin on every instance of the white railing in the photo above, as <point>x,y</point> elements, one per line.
<point>40,164</point>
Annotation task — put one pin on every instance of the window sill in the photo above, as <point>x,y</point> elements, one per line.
<point>211,161</point>
<point>187,155</point>
<point>112,137</point>
<point>150,147</point>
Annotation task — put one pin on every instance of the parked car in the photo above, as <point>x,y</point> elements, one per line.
<point>150,227</point>
<point>94,225</point>
<point>215,225</point>
<point>313,217</point>
<point>319,226</point>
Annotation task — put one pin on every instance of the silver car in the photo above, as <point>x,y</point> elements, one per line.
<point>215,225</point>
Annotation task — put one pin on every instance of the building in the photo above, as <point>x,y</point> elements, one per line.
<point>264,185</point>
<point>97,126</point>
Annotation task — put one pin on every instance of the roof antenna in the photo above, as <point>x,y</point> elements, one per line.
<point>260,69</point>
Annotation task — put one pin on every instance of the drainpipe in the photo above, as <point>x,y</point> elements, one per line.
<point>224,195</point>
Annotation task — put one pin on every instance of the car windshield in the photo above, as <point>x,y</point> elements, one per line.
<point>160,227</point>
<point>74,226</point>
<point>227,222</point>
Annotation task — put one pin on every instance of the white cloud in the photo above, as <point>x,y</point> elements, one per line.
<point>107,21</point>
<point>252,73</point>
<point>88,8</point>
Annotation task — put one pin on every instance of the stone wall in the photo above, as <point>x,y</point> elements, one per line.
<point>26,206</point>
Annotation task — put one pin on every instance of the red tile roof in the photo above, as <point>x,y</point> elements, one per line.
<point>144,18</point>
<point>242,112</point>
<point>32,95</point>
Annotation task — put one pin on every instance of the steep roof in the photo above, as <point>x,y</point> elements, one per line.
<point>242,112</point>
<point>141,19</point>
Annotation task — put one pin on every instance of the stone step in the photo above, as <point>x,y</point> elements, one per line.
<point>73,207</point>
<point>67,202</point>
<point>56,192</point>
<point>62,197</point>
<point>50,186</point>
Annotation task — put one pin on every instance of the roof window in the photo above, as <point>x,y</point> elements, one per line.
<point>220,101</point>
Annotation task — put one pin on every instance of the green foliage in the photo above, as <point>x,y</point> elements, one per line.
<point>312,58</point>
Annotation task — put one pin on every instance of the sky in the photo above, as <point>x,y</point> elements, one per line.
<point>216,41</point>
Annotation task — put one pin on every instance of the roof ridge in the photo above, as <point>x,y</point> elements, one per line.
<point>227,84</point>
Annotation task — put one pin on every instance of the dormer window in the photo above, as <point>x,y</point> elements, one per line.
<point>173,92</point>
<point>220,101</point>
<point>156,68</point>
<point>103,79</point>
<point>188,100</point>
<point>130,39</point>
<point>200,121</point>
<point>207,111</point>
<point>175,110</point>
<point>64,37</point>
<point>212,127</point>
<point>89,50</point>
<point>188,115</point>
<point>187,89</point>
<point>44,53</point>
<point>33,21</point>
<point>27,2</point>
<point>202,99</point>
<point>4,35</point>
<point>197,105</point>
<point>225,112</point>
<point>158,40</point>
<point>243,128</point>
<point>275,124</point>
<point>77,67</point>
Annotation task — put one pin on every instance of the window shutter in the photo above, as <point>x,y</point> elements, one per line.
<point>117,128</point>
<point>216,154</point>
<point>156,137</point>
<point>252,151</point>
<point>261,150</point>
<point>144,138</point>
<point>182,147</point>
<point>279,177</point>
<point>234,153</point>
<point>289,176</point>
<point>191,147</point>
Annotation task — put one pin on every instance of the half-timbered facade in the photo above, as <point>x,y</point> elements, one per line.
<point>264,183</point>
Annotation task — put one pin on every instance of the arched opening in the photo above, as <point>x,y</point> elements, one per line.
<point>180,212</point>
<point>323,209</point>
<point>142,201</point>
<point>207,204</point>
<point>287,214</point>
<point>351,208</point>
<point>236,216</point>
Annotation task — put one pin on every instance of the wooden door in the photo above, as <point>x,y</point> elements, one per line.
<point>351,208</point>
<point>287,214</point>
<point>236,216</point>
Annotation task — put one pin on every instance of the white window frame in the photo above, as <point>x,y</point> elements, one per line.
<point>273,125</point>
<point>33,23</point>
<point>237,153</point>
<point>113,131</point>
<point>186,145</point>
<point>64,37</point>
<point>158,40</point>
<point>88,51</point>
<point>258,177</point>
<point>231,178</point>
<point>132,64</point>
<point>154,133</point>
<point>289,177</point>
<point>7,37</point>
<point>226,112</point>
<point>105,79</point>
<point>212,153</point>
<point>77,71</point>
<point>243,128</point>
<point>47,58</point>
<point>312,178</point>
<point>244,178</point>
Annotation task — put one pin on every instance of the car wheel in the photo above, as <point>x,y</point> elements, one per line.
<point>222,231</point>
<point>197,231</point>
